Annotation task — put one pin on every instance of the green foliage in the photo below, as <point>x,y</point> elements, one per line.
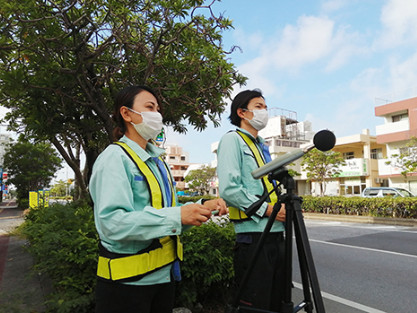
<point>207,269</point>
<point>30,166</point>
<point>199,180</point>
<point>321,166</point>
<point>62,62</point>
<point>63,242</point>
<point>378,207</point>
<point>60,189</point>
<point>407,159</point>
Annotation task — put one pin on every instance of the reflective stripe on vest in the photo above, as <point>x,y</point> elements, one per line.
<point>234,213</point>
<point>170,249</point>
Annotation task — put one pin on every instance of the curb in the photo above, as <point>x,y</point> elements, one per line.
<point>362,219</point>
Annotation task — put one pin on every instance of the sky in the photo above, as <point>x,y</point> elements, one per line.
<point>330,61</point>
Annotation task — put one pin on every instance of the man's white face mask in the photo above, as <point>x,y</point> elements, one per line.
<point>260,118</point>
<point>151,125</point>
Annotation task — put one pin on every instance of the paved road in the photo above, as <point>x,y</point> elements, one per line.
<point>363,267</point>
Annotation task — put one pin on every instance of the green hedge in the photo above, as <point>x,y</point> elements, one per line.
<point>379,207</point>
<point>63,241</point>
<point>207,269</point>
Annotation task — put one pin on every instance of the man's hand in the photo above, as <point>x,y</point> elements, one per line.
<point>281,213</point>
<point>218,205</point>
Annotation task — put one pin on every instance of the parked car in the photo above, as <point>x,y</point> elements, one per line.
<point>371,192</point>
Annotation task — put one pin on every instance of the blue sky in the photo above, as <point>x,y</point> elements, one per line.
<point>326,60</point>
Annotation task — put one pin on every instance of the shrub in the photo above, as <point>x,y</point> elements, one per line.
<point>380,207</point>
<point>63,242</point>
<point>207,270</point>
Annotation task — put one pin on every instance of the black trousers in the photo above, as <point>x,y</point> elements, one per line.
<point>265,286</point>
<point>113,297</point>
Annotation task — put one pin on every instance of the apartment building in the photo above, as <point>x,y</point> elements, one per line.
<point>178,161</point>
<point>400,125</point>
<point>5,140</point>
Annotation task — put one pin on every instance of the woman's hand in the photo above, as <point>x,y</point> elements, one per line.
<point>194,214</point>
<point>218,205</point>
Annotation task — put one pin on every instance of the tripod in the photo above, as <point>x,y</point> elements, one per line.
<point>293,221</point>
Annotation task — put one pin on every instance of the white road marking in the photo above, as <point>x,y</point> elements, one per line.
<point>343,301</point>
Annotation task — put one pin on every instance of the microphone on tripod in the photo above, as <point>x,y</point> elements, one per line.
<point>323,140</point>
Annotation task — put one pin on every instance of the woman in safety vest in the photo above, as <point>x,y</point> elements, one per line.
<point>136,212</point>
<point>239,153</point>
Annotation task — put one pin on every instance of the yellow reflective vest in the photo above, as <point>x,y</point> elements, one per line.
<point>236,214</point>
<point>162,251</point>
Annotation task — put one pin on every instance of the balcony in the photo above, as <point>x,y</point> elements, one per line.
<point>388,169</point>
<point>390,128</point>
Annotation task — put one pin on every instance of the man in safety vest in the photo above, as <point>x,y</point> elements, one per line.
<point>239,153</point>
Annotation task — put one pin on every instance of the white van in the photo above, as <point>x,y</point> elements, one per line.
<point>371,192</point>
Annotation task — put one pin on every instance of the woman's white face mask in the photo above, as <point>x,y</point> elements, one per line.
<point>260,118</point>
<point>151,125</point>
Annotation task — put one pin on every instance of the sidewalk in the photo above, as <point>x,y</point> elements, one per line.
<point>21,289</point>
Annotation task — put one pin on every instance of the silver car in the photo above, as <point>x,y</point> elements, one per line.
<point>371,192</point>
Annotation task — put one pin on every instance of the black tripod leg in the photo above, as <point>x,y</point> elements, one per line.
<point>287,304</point>
<point>304,247</point>
<point>307,304</point>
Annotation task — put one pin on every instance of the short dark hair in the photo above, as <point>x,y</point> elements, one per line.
<point>126,97</point>
<point>241,101</point>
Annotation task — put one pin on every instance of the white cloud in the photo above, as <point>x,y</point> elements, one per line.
<point>334,5</point>
<point>399,19</point>
<point>345,45</point>
<point>404,74</point>
<point>304,43</point>
<point>311,40</point>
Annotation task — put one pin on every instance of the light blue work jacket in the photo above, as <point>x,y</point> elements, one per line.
<point>235,162</point>
<point>125,220</point>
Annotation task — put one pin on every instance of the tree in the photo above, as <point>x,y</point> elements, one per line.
<point>406,160</point>
<point>321,166</point>
<point>199,180</point>
<point>63,61</point>
<point>61,188</point>
<point>30,166</point>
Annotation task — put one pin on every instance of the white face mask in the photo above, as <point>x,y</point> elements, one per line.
<point>259,120</point>
<point>151,125</point>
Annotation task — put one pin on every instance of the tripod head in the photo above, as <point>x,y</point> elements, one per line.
<point>285,179</point>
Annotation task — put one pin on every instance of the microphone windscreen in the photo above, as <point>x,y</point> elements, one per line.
<point>324,140</point>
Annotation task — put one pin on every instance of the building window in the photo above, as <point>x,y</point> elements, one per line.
<point>348,155</point>
<point>376,154</point>
<point>399,117</point>
<point>407,151</point>
<point>172,157</point>
<point>182,158</point>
